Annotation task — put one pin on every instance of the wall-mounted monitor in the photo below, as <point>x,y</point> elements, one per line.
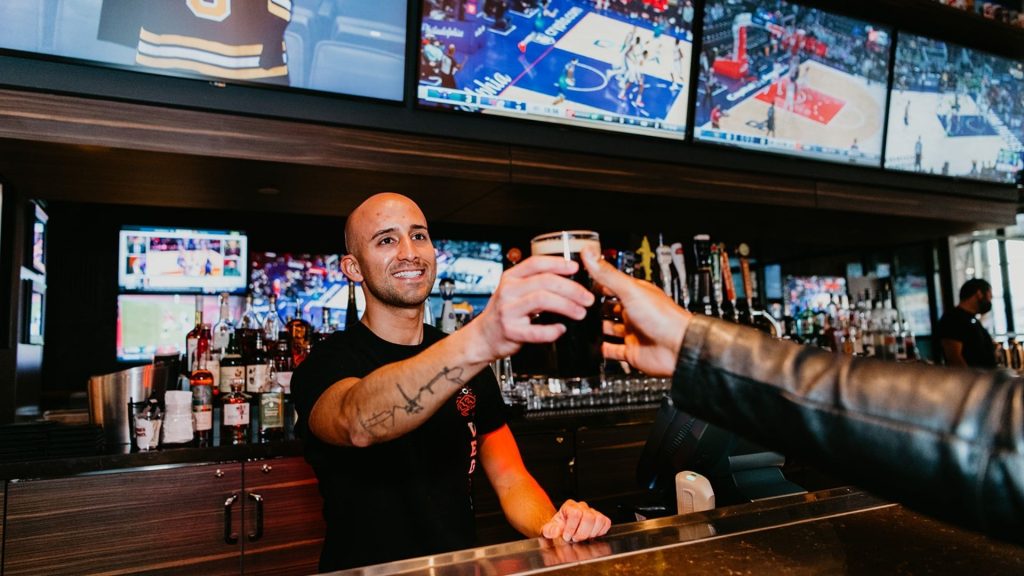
<point>305,285</point>
<point>149,324</point>
<point>612,66</point>
<point>354,47</point>
<point>175,260</point>
<point>781,77</point>
<point>475,266</point>
<point>955,111</point>
<point>813,292</point>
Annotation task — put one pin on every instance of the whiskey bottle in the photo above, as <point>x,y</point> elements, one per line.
<point>352,312</point>
<point>256,367</point>
<point>224,328</point>
<point>272,325</point>
<point>231,366</point>
<point>235,415</point>
<point>201,383</point>
<point>194,337</point>
<point>271,419</point>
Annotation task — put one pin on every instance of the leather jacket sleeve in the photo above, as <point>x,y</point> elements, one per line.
<point>947,442</point>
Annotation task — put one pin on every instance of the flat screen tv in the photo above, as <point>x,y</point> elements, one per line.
<point>149,324</point>
<point>475,266</point>
<point>813,292</point>
<point>613,66</point>
<point>785,78</point>
<point>177,260</point>
<point>354,47</point>
<point>955,111</point>
<point>305,285</point>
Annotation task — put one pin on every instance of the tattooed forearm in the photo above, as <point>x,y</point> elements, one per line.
<point>385,419</point>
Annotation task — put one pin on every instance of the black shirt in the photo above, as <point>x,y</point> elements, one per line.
<point>407,497</point>
<point>962,326</point>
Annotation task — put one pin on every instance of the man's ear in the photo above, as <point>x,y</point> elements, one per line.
<point>350,267</point>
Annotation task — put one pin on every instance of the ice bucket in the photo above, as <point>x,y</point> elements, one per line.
<point>109,395</point>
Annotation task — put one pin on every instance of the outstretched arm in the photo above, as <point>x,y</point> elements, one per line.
<point>399,397</point>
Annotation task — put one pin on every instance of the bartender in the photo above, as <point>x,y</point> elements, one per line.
<point>396,417</point>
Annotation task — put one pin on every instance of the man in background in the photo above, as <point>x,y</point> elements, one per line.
<point>965,342</point>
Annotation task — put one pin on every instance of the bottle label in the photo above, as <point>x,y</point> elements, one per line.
<point>202,397</point>
<point>236,414</point>
<point>203,420</point>
<point>213,365</point>
<point>285,380</point>
<point>229,373</point>
<point>255,378</point>
<point>271,411</point>
<point>220,339</point>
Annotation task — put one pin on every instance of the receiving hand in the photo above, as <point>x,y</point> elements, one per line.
<point>576,522</point>
<point>652,324</point>
<point>535,285</point>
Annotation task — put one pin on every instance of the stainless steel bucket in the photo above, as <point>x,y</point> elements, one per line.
<point>109,395</point>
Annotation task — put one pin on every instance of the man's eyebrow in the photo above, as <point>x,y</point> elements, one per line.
<point>419,227</point>
<point>382,232</point>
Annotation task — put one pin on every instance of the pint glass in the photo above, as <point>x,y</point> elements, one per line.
<point>577,354</point>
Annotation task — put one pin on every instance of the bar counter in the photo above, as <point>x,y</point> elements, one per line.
<point>115,458</point>
<point>837,531</point>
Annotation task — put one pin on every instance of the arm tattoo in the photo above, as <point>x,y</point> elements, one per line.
<point>386,418</point>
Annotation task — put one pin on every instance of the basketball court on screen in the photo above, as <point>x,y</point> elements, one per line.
<point>830,108</point>
<point>956,134</point>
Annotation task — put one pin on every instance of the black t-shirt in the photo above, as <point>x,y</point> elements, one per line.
<point>962,326</point>
<point>407,497</point>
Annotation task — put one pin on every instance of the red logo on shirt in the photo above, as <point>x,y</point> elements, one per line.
<point>466,402</point>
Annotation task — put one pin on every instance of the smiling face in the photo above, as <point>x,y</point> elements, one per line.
<point>390,251</point>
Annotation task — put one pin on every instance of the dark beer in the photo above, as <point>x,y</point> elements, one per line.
<point>577,354</point>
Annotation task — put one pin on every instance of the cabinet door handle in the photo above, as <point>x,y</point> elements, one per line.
<point>254,536</point>
<point>228,504</point>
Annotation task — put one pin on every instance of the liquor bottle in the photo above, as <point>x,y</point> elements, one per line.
<point>235,414</point>
<point>212,359</point>
<point>272,325</point>
<point>224,328</point>
<point>352,312</point>
<point>231,366</point>
<point>248,326</point>
<point>193,338</point>
<point>299,331</point>
<point>256,367</point>
<point>448,322</point>
<point>283,362</point>
<point>326,328</point>
<point>729,311</point>
<point>271,402</point>
<point>909,341</point>
<point>201,383</point>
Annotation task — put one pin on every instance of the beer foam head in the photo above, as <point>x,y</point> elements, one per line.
<point>565,242</point>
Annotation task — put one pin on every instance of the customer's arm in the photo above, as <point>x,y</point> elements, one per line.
<point>946,441</point>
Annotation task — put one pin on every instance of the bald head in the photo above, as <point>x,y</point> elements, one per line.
<point>390,253</point>
<point>369,217</point>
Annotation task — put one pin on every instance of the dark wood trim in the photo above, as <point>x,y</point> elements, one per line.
<point>91,122</point>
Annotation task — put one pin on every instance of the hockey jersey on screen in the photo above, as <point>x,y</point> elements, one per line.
<point>230,39</point>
